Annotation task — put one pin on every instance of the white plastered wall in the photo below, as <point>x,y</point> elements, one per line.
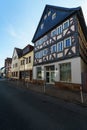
<point>75,70</point>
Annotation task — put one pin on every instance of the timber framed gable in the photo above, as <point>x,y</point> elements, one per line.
<point>58,39</point>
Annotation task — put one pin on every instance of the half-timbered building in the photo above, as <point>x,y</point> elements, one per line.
<point>60,45</point>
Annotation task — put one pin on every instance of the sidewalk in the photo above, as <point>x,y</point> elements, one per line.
<point>67,95</point>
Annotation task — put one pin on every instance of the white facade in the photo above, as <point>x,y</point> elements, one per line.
<point>15,65</point>
<point>76,70</point>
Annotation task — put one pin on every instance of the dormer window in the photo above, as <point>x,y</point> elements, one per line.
<point>49,13</point>
<point>42,25</point>
<point>45,16</point>
<point>53,16</point>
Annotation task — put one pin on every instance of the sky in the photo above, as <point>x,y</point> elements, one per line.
<point>19,20</point>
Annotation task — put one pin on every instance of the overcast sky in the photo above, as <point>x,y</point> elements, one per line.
<point>19,20</point>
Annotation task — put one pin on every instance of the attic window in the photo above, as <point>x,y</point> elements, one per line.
<point>42,25</point>
<point>45,16</point>
<point>49,12</point>
<point>53,16</point>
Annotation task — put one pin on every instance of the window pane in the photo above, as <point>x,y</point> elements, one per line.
<point>66,25</point>
<point>65,72</point>
<point>53,49</point>
<point>39,74</point>
<point>53,33</point>
<point>59,30</point>
<point>68,42</point>
<point>60,46</point>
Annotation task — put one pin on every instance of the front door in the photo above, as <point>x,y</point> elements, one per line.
<point>50,77</point>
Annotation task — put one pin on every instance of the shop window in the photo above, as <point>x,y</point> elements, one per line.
<point>65,72</point>
<point>39,73</point>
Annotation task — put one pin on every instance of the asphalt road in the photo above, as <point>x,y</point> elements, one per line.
<point>22,109</point>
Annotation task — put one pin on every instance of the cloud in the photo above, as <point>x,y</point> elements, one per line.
<point>11,31</point>
<point>17,34</point>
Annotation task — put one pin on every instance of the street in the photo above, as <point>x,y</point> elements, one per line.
<point>22,109</point>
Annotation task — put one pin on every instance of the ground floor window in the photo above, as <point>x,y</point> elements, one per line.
<point>39,74</point>
<point>65,72</point>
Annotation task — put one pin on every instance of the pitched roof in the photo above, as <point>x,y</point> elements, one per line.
<point>19,52</point>
<point>61,14</point>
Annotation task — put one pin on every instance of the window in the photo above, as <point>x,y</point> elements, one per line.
<point>60,46</point>
<point>45,16</point>
<point>16,74</point>
<point>49,13</point>
<point>44,38</point>
<point>42,25</point>
<point>67,42</point>
<point>53,48</point>
<point>40,41</point>
<point>39,74</point>
<point>65,72</point>
<point>26,60</point>
<point>53,16</point>
<point>29,59</point>
<point>66,24</point>
<point>59,30</point>
<point>23,62</point>
<point>40,54</point>
<point>37,43</point>
<point>45,52</point>
<point>16,65</point>
<point>37,55</point>
<point>53,33</point>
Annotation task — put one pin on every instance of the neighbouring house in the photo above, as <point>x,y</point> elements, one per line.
<point>26,63</point>
<point>2,72</point>
<point>60,46</point>
<point>17,53</point>
<point>8,62</point>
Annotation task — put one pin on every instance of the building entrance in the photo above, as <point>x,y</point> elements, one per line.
<point>50,74</point>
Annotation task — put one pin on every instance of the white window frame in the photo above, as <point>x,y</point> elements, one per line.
<point>40,54</point>
<point>60,30</point>
<point>42,25</point>
<point>52,49</point>
<point>49,13</point>
<point>45,16</point>
<point>37,55</point>
<point>46,52</point>
<point>60,43</point>
<point>53,16</point>
<point>65,23</point>
<point>52,32</point>
<point>65,46</point>
<point>44,38</point>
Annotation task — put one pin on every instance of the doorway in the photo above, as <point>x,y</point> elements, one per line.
<point>50,74</point>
